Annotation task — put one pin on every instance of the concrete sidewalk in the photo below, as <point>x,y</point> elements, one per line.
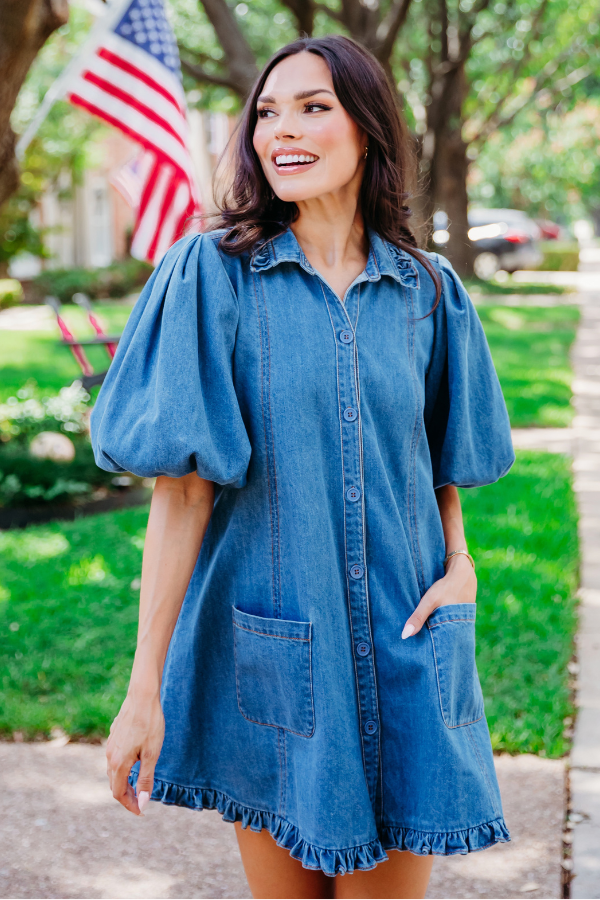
<point>62,835</point>
<point>585,756</point>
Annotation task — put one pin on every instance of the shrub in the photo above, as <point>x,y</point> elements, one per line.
<point>116,280</point>
<point>28,414</point>
<point>11,292</point>
<point>559,256</point>
<point>29,481</point>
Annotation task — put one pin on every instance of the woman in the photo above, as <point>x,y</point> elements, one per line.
<point>309,390</point>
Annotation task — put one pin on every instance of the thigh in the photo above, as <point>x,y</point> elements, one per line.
<point>272,873</point>
<point>403,875</point>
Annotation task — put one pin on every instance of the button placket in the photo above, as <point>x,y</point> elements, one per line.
<point>349,411</point>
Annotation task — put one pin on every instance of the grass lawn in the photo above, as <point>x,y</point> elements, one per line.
<point>68,609</point>
<point>522,532</point>
<point>530,347</point>
<point>478,286</point>
<point>38,354</point>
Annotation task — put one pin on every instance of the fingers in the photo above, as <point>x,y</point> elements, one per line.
<point>419,617</point>
<point>122,790</point>
<point>145,782</point>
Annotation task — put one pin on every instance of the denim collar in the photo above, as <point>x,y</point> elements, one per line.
<point>384,258</point>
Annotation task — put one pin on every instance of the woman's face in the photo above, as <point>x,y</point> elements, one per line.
<point>307,143</point>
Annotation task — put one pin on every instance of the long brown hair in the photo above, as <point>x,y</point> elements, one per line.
<point>251,212</point>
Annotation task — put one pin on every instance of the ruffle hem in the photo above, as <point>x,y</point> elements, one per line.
<point>331,862</point>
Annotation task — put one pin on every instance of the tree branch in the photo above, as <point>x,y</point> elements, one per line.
<point>239,57</point>
<point>201,74</point>
<point>332,13</point>
<point>466,40</point>
<point>496,120</point>
<point>389,29</point>
<point>444,55</point>
<point>304,13</point>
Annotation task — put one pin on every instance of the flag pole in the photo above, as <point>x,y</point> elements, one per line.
<point>61,85</point>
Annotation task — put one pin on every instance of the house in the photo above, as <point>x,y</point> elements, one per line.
<point>90,225</point>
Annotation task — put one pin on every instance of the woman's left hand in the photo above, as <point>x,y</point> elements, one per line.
<point>459,585</point>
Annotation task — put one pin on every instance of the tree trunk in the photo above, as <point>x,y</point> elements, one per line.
<point>444,163</point>
<point>451,164</point>
<point>26,26</point>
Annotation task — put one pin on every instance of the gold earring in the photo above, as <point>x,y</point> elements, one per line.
<point>366,151</point>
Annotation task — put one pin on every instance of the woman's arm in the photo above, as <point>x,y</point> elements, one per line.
<point>179,515</point>
<point>459,585</point>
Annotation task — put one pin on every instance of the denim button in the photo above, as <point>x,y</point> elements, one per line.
<point>353,494</point>
<point>357,572</point>
<point>350,414</point>
<point>346,337</point>
<point>370,727</point>
<point>363,649</point>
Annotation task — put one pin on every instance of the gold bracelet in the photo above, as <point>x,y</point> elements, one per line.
<point>464,553</point>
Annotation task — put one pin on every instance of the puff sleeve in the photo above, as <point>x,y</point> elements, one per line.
<point>466,421</point>
<point>168,404</point>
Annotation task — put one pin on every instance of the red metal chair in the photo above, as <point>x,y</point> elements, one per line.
<point>90,378</point>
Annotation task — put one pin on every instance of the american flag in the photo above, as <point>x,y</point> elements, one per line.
<point>133,82</point>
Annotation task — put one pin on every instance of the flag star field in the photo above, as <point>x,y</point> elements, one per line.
<point>145,24</point>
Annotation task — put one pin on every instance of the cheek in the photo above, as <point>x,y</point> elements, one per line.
<point>260,139</point>
<point>337,139</point>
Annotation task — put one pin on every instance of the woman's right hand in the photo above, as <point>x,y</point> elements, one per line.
<point>179,515</point>
<point>137,733</point>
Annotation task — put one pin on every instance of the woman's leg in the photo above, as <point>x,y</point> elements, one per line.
<point>272,873</point>
<point>403,875</point>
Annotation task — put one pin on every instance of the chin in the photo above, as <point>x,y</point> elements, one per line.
<point>296,194</point>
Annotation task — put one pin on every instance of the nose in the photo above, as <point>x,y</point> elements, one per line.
<point>286,127</point>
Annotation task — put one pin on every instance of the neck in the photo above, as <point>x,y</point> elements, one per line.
<point>331,230</point>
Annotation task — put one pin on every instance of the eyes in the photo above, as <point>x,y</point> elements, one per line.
<point>266,112</point>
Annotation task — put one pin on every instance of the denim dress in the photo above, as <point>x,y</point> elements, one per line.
<point>291,702</point>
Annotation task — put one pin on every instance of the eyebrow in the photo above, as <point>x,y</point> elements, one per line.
<point>301,95</point>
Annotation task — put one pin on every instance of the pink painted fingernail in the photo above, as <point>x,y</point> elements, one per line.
<point>143,800</point>
<point>409,629</point>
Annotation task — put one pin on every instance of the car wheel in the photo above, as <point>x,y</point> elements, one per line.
<point>486,265</point>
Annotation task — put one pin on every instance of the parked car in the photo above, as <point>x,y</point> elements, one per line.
<point>503,239</point>
<point>550,230</point>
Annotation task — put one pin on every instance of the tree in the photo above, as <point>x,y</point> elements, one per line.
<point>548,165</point>
<point>463,69</point>
<point>26,26</point>
<point>61,150</point>
<point>466,67</point>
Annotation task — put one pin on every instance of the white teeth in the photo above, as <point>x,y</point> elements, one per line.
<point>285,160</point>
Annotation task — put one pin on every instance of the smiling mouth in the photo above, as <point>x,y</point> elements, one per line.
<point>292,160</point>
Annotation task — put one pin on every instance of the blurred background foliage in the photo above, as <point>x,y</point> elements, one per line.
<point>62,149</point>
<point>523,115</point>
<point>547,163</point>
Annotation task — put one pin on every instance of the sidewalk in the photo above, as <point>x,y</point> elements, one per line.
<point>582,441</point>
<point>585,756</point>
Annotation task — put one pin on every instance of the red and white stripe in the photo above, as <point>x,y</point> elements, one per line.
<point>131,90</point>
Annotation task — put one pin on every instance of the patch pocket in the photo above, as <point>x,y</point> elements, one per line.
<point>452,631</point>
<point>273,672</point>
